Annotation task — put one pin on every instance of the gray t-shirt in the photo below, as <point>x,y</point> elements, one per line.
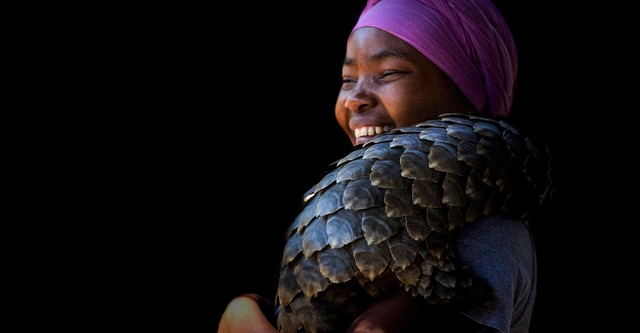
<point>502,252</point>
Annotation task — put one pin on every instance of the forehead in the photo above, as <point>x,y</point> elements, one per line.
<point>369,42</point>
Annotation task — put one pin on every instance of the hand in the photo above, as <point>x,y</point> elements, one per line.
<point>399,313</point>
<point>404,313</point>
<point>244,314</point>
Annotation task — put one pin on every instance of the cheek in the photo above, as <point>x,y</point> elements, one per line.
<point>406,109</point>
<point>414,104</point>
<point>342,116</point>
<point>407,116</point>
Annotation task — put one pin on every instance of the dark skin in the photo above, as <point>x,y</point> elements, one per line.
<point>386,84</point>
<point>394,314</point>
<point>389,84</point>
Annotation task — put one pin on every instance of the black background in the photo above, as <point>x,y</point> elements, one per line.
<point>223,117</point>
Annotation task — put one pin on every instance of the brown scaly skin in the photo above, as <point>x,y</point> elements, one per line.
<point>385,218</point>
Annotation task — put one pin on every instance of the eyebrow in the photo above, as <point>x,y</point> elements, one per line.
<point>388,53</point>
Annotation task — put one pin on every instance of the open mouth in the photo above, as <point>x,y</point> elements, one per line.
<point>365,133</point>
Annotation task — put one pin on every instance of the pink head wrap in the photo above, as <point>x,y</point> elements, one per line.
<point>468,39</point>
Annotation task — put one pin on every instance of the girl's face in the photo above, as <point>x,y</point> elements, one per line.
<point>386,84</point>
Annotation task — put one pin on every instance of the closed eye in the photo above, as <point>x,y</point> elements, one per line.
<point>390,75</point>
<point>348,82</point>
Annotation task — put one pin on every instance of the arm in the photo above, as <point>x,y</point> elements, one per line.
<point>244,314</point>
<point>404,313</point>
<point>400,313</point>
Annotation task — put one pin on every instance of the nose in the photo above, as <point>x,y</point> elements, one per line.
<point>359,99</point>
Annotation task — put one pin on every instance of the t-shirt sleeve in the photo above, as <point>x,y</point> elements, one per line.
<point>501,251</point>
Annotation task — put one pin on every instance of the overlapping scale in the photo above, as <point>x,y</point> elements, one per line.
<point>386,215</point>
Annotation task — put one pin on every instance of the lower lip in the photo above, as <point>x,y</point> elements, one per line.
<point>363,139</point>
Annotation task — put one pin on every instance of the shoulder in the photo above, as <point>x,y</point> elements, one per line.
<point>501,251</point>
<point>494,234</point>
<point>498,247</point>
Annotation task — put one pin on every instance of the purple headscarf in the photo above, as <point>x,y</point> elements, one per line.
<point>468,39</point>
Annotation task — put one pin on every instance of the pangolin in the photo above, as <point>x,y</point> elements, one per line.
<point>384,217</point>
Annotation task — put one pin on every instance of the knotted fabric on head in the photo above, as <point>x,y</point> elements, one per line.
<point>467,39</point>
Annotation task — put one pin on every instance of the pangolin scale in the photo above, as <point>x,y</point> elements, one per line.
<point>386,215</point>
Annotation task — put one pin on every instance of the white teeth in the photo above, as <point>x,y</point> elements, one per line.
<point>371,130</point>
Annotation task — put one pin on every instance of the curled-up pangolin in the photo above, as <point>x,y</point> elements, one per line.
<point>385,217</point>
